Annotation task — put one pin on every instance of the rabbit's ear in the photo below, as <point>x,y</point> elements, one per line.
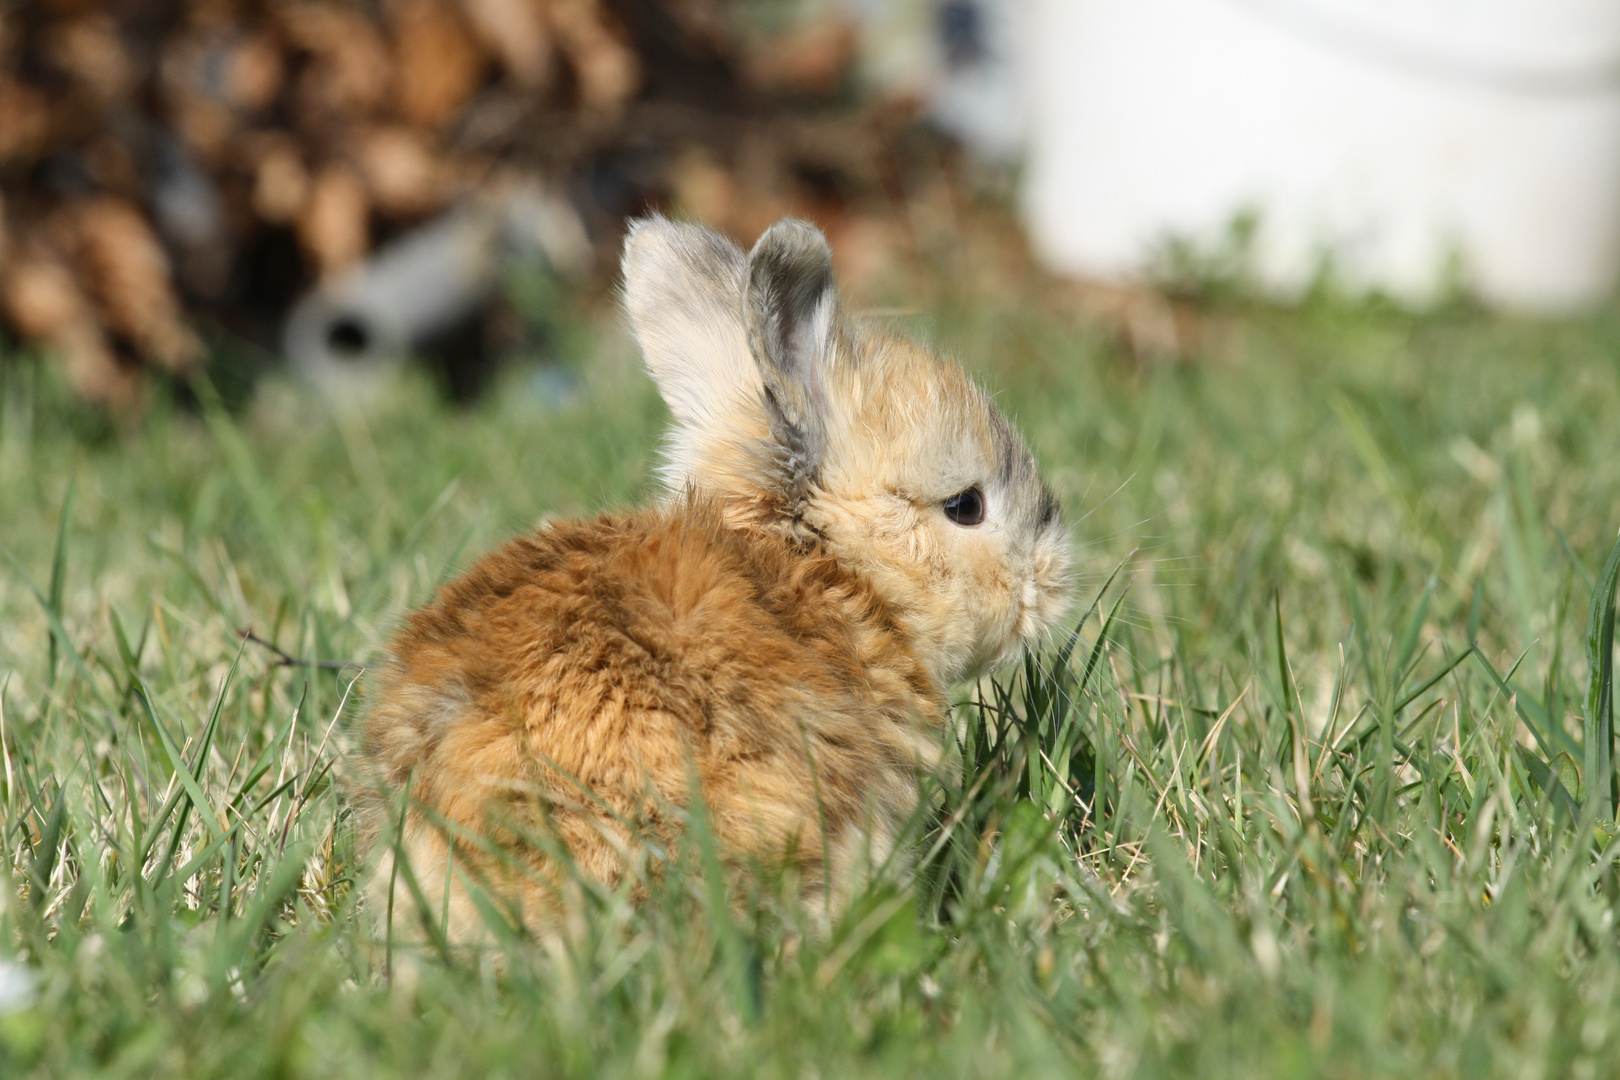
<point>792,312</point>
<point>682,289</point>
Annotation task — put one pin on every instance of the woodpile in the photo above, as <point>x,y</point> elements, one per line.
<point>175,172</point>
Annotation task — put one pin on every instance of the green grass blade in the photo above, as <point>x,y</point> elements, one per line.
<point>1600,797</point>
<point>1428,684</point>
<point>1097,648</point>
<point>59,567</point>
<point>42,867</point>
<point>188,779</point>
<point>59,632</point>
<point>1550,738</point>
<point>205,744</point>
<point>1546,775</point>
<point>1407,650</point>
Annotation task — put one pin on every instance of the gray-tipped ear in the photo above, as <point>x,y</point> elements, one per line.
<point>681,289</point>
<point>792,312</point>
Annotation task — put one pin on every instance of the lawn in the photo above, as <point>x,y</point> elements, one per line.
<point>1310,794</point>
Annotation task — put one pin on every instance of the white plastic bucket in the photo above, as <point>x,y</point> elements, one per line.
<point>1402,143</point>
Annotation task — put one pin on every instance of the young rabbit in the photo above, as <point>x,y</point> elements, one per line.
<point>852,527</point>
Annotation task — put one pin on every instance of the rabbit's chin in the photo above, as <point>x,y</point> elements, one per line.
<point>1040,609</point>
<point>1024,628</point>
<point>964,630</point>
<point>1032,633</point>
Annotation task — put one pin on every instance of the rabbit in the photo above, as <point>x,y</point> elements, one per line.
<point>850,527</point>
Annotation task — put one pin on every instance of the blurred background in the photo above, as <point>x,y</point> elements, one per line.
<point>335,185</point>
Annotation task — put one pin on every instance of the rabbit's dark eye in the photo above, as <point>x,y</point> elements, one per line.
<point>966,508</point>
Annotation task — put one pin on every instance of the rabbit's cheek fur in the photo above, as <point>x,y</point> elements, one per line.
<point>952,587</point>
<point>987,607</point>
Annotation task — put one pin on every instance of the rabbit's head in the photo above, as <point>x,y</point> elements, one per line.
<point>864,445</point>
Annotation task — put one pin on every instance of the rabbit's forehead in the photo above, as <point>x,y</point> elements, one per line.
<point>918,406</point>
<point>920,423</point>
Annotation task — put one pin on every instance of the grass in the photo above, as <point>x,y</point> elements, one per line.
<point>1324,786</point>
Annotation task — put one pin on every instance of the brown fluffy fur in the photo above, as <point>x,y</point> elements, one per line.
<point>634,656</point>
<point>775,638</point>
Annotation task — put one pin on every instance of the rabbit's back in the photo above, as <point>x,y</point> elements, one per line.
<point>579,681</point>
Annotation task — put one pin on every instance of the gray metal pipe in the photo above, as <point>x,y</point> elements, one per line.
<point>348,335</point>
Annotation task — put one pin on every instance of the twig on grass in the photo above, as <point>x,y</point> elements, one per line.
<point>286,659</point>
